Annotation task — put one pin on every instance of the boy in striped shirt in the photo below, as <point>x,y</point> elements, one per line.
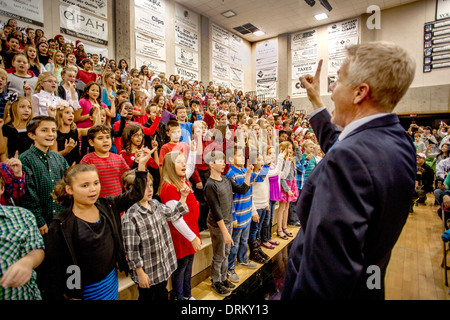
<point>242,211</point>
<point>110,166</point>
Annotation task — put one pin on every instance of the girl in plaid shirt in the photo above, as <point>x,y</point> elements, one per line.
<point>148,242</point>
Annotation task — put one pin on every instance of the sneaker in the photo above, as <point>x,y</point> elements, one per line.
<point>190,298</point>
<point>232,276</point>
<point>227,284</point>
<point>249,264</point>
<point>220,289</point>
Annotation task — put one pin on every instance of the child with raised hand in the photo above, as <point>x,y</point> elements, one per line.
<point>133,142</point>
<point>67,132</point>
<point>96,248</point>
<point>218,193</point>
<point>261,194</point>
<point>289,190</point>
<point>110,166</point>
<point>45,94</point>
<point>148,242</point>
<point>175,176</point>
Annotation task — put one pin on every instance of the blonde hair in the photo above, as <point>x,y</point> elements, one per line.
<point>42,77</point>
<point>11,114</point>
<point>386,67</point>
<point>107,75</point>
<point>59,121</point>
<point>284,146</point>
<point>168,171</point>
<point>129,177</point>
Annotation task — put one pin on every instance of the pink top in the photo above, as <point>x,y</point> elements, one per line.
<point>86,106</point>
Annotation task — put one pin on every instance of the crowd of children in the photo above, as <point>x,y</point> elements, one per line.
<point>123,169</point>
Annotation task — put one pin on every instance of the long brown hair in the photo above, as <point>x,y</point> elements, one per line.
<point>168,172</point>
<point>60,194</point>
<point>128,132</point>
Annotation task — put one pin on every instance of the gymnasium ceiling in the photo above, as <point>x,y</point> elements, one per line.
<point>282,16</point>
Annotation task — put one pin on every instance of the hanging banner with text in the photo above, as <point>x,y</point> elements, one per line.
<point>186,18</point>
<point>149,23</point>
<point>153,65</point>
<point>80,25</point>
<point>186,38</point>
<point>97,7</point>
<point>157,6</point>
<point>185,58</point>
<point>186,74</point>
<point>151,48</point>
<point>29,11</point>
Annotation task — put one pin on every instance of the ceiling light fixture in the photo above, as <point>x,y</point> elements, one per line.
<point>321,16</point>
<point>228,14</point>
<point>259,33</point>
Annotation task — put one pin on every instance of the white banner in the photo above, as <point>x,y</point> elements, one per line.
<point>97,7</point>
<point>304,39</point>
<point>151,48</point>
<point>304,54</point>
<point>269,89</point>
<point>236,42</point>
<point>236,86</point>
<point>185,58</point>
<point>343,29</point>
<point>150,24</point>
<point>29,11</point>
<point>220,52</point>
<point>220,35</point>
<point>220,69</point>
<point>267,53</point>
<point>186,18</point>
<point>153,65</point>
<point>336,47</point>
<point>334,65</point>
<point>158,6</point>
<point>296,89</point>
<point>186,74</point>
<point>80,25</point>
<point>186,38</point>
<point>266,75</point>
<point>442,9</point>
<point>302,69</point>
<point>237,74</point>
<point>236,59</point>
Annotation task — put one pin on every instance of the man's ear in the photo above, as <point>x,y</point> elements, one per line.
<point>361,93</point>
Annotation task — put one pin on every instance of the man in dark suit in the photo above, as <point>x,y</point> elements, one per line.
<point>354,204</point>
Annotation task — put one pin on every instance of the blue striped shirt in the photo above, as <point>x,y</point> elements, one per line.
<point>242,203</point>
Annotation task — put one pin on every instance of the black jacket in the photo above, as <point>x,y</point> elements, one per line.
<point>60,249</point>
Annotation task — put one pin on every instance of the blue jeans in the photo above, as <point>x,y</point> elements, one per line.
<point>181,278</point>
<point>239,250</point>
<point>256,227</point>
